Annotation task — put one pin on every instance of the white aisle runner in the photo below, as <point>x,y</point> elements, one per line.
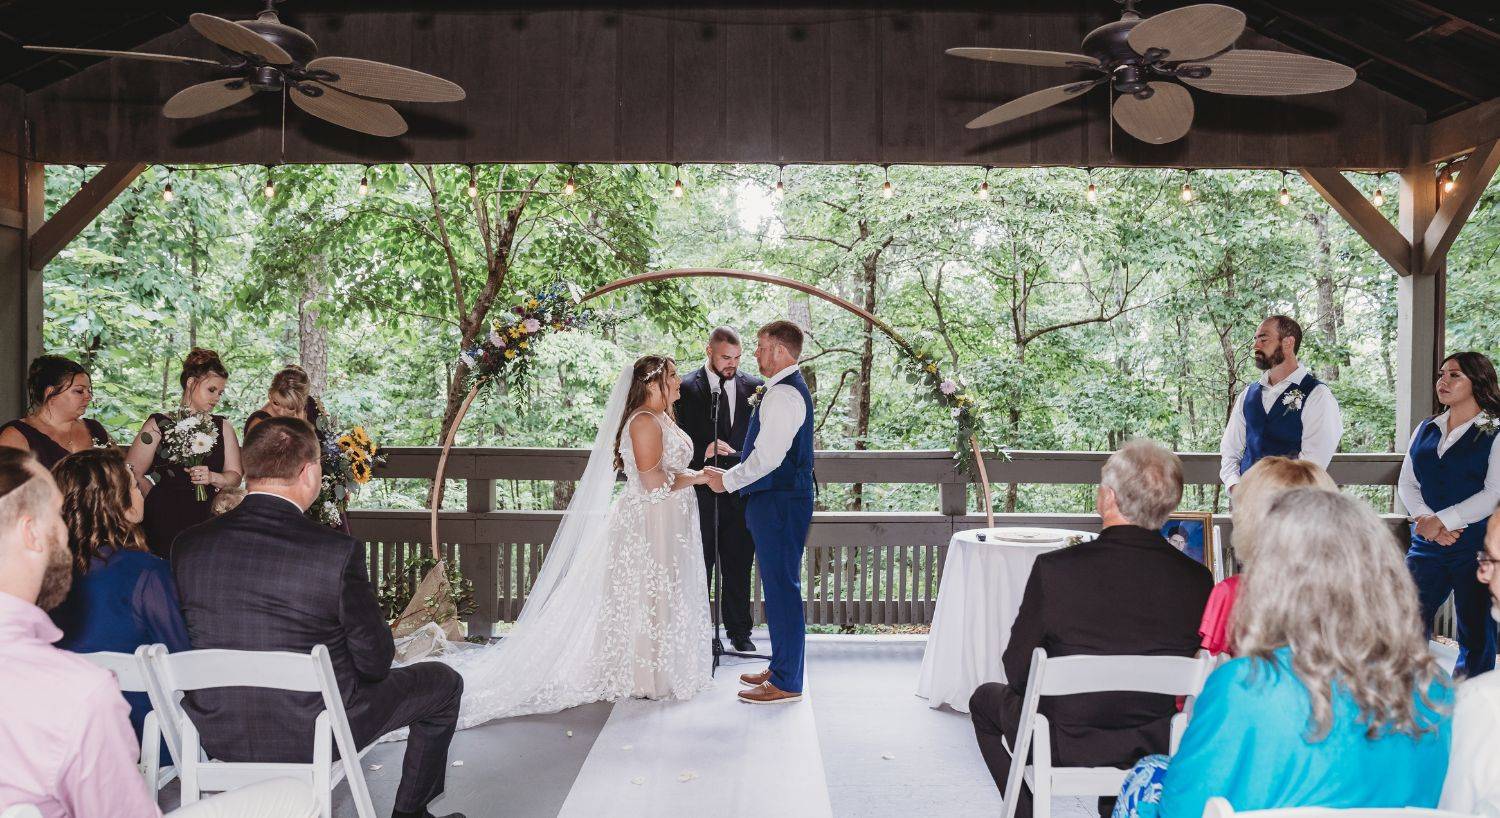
<point>710,755</point>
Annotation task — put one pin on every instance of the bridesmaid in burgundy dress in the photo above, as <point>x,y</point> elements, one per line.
<point>172,504</point>
<point>59,391</point>
<point>290,396</point>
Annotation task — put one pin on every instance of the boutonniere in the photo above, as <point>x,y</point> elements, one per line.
<point>1293,399</point>
<point>754,400</point>
<point>1486,424</point>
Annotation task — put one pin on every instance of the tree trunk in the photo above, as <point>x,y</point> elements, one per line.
<point>861,391</point>
<point>312,337</point>
<point>1329,310</point>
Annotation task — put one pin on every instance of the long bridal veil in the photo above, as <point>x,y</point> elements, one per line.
<point>548,661</point>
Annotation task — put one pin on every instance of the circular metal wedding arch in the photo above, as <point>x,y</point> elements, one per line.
<point>700,272</point>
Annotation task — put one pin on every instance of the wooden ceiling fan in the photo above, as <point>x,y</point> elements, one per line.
<point>1144,60</point>
<point>267,55</point>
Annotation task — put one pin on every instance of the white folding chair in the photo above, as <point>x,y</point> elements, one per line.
<point>177,673</point>
<point>1067,675</point>
<point>1220,808</point>
<point>131,672</point>
<point>21,811</point>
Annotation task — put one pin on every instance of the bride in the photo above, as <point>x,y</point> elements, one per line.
<point>620,607</point>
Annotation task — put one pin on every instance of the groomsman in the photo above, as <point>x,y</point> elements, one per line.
<point>1288,412</point>
<point>720,381</point>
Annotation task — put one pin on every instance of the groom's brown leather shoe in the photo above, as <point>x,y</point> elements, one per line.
<point>755,679</point>
<point>767,693</point>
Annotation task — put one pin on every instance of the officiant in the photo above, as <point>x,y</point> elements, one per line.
<point>717,438</point>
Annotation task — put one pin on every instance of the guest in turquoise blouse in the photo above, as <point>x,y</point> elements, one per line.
<point>1358,715</point>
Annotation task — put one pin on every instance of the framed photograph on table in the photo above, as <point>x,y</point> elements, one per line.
<point>1192,533</point>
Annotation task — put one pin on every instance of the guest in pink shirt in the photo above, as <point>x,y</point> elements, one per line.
<point>1269,477</point>
<point>65,733</point>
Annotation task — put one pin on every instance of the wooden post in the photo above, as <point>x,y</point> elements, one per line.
<point>1419,306</point>
<point>22,208</point>
<point>50,238</point>
<point>481,562</point>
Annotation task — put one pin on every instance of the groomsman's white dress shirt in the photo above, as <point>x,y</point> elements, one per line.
<point>1481,504</point>
<point>1322,424</point>
<point>781,414</point>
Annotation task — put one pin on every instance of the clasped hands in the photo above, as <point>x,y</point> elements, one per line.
<point>1429,527</point>
<point>714,479</point>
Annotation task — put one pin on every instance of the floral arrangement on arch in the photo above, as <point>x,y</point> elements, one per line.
<point>509,349</point>
<point>951,392</point>
<point>349,462</point>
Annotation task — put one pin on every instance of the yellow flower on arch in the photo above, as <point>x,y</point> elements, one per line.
<point>510,353</point>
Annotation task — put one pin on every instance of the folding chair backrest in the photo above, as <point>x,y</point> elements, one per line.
<point>203,669</point>
<point>1168,675</point>
<point>127,667</point>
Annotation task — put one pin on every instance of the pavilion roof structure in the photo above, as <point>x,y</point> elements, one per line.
<point>758,82</point>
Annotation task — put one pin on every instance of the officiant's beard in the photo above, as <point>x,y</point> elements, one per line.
<point>1263,363</point>
<point>726,375</point>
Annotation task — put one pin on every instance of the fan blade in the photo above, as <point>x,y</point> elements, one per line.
<point>1023,56</point>
<point>237,38</point>
<point>354,113</point>
<point>1189,33</point>
<point>205,98</point>
<point>385,81</point>
<point>1271,74</point>
<point>1163,117</point>
<point>1031,103</point>
<point>135,55</point>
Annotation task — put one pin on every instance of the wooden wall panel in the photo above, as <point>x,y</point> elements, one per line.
<point>775,85</point>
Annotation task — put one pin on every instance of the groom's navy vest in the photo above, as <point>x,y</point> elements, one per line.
<point>1277,432</point>
<point>1456,476</point>
<point>795,474</point>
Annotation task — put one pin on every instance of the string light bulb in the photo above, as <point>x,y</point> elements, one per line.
<point>1091,193</point>
<point>780,190</point>
<point>570,187</point>
<point>1448,181</point>
<point>1187,194</point>
<point>886,191</point>
<point>364,184</point>
<point>473,184</point>
<point>677,189</point>
<point>1284,198</point>
<point>984,187</point>
<point>270,189</point>
<point>166,192</point>
<point>1379,198</point>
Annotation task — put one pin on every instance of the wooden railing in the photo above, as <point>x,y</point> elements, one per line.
<point>861,567</point>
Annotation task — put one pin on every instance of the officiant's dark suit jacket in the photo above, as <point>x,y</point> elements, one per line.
<point>692,415</point>
<point>265,577</point>
<point>1127,592</point>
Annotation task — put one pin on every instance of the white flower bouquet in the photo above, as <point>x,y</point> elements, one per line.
<point>187,441</point>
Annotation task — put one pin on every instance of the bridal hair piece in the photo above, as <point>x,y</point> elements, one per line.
<point>647,370</point>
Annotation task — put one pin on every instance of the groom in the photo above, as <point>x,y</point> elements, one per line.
<point>775,475</point>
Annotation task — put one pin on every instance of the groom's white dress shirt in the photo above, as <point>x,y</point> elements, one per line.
<point>1322,424</point>
<point>781,414</point>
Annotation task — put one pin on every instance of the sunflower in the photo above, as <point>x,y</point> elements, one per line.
<point>346,444</point>
<point>358,433</point>
<point>361,471</point>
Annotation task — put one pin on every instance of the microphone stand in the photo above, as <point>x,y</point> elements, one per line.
<point>716,583</point>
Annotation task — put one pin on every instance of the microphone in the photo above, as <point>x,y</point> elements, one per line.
<point>715,383</point>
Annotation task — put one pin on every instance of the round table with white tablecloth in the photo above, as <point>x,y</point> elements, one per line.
<point>984,577</point>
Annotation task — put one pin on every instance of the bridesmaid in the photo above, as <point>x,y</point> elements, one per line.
<point>59,391</point>
<point>172,504</point>
<point>290,395</point>
<point>1450,483</point>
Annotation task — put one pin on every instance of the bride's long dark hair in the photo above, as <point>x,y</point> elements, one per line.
<point>649,369</point>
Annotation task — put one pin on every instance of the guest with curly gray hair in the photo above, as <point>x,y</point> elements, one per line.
<point>1335,701</point>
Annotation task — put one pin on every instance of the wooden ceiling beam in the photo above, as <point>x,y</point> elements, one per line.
<point>1468,18</point>
<point>87,203</point>
<point>1367,38</point>
<point>1461,132</point>
<point>1459,204</point>
<point>1365,218</point>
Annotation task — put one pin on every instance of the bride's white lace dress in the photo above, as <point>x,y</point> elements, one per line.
<point>620,607</point>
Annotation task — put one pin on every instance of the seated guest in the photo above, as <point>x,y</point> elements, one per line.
<point>59,391</point>
<point>1473,784</point>
<point>1357,714</point>
<point>1267,478</point>
<point>123,595</point>
<point>64,728</point>
<point>227,500</point>
<point>264,577</point>
<point>1128,592</point>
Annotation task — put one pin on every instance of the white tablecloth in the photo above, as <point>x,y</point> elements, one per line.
<point>977,603</point>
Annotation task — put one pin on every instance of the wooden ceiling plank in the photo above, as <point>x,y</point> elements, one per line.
<point>1466,19</point>
<point>87,203</point>
<point>1380,44</point>
<point>1461,132</point>
<point>1364,217</point>
<point>1455,210</point>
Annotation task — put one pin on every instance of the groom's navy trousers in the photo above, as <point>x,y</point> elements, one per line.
<point>778,522</point>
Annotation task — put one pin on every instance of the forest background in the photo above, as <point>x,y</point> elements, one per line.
<point>1077,324</point>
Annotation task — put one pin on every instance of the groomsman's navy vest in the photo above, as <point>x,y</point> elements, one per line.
<point>1277,432</point>
<point>1452,478</point>
<point>795,474</point>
